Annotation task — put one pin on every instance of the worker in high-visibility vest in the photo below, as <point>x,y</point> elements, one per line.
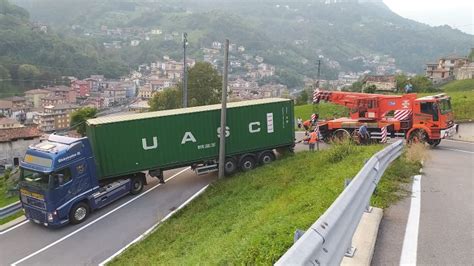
<point>313,138</point>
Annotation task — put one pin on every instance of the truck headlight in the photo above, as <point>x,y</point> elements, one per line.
<point>50,217</point>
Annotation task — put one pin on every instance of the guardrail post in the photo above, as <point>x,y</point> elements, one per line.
<point>298,233</point>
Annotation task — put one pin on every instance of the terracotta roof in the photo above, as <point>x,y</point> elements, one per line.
<point>12,134</point>
<point>6,104</point>
<point>5,120</point>
<point>15,99</point>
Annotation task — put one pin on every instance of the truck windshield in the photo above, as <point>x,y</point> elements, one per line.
<point>35,178</point>
<point>445,106</point>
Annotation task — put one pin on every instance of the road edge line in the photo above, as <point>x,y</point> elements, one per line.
<point>14,226</point>
<point>96,220</point>
<point>410,240</point>
<point>150,230</point>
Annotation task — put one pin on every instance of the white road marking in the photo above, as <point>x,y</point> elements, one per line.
<point>153,227</point>
<point>467,142</point>
<point>470,152</point>
<point>13,227</point>
<point>410,242</point>
<point>96,220</point>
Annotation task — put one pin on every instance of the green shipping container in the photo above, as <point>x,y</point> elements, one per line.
<point>168,139</point>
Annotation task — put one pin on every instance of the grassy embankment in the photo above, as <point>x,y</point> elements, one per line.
<point>250,218</point>
<point>6,199</point>
<point>462,99</point>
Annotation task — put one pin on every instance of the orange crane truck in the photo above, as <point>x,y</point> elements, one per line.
<point>428,119</point>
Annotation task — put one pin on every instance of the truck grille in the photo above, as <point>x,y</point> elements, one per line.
<point>36,203</point>
<point>36,214</point>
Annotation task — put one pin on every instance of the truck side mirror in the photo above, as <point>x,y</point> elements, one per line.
<point>60,179</point>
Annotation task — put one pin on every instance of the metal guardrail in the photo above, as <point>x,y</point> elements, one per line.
<point>330,237</point>
<point>10,209</point>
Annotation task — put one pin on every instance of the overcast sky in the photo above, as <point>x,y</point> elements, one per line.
<point>455,13</point>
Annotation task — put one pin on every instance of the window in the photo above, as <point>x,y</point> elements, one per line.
<point>61,177</point>
<point>431,109</point>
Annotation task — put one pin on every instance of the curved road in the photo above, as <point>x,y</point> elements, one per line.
<point>107,230</point>
<point>442,223</point>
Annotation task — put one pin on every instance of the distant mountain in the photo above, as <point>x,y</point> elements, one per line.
<point>292,35</point>
<point>32,54</point>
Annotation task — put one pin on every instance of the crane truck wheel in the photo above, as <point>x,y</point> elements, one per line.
<point>230,166</point>
<point>247,163</point>
<point>266,157</point>
<point>341,135</point>
<point>136,185</point>
<point>434,142</point>
<point>418,136</point>
<point>79,213</point>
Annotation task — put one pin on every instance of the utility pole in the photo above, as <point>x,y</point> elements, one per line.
<point>319,73</point>
<point>185,78</point>
<point>223,111</point>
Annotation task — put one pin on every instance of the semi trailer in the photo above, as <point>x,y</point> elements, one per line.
<point>63,179</point>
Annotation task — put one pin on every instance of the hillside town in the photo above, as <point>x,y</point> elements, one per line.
<point>25,119</point>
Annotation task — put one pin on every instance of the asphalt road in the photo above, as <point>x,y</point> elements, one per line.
<point>107,230</point>
<point>445,224</point>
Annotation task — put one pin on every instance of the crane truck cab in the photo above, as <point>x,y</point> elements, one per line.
<point>433,119</point>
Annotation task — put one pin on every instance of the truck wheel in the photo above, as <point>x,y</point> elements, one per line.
<point>230,166</point>
<point>434,142</point>
<point>266,157</point>
<point>418,136</point>
<point>247,163</point>
<point>79,213</point>
<point>136,185</point>
<point>341,135</point>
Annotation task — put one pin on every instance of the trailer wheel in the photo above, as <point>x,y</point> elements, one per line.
<point>136,185</point>
<point>247,163</point>
<point>230,166</point>
<point>266,157</point>
<point>79,213</point>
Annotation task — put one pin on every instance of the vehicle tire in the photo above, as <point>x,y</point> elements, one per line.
<point>136,185</point>
<point>435,142</point>
<point>341,135</point>
<point>247,163</point>
<point>418,136</point>
<point>230,166</point>
<point>266,157</point>
<point>79,213</point>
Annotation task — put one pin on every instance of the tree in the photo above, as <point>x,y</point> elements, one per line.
<point>204,85</point>
<point>79,117</point>
<point>303,97</point>
<point>4,73</point>
<point>421,84</point>
<point>28,72</point>
<point>371,89</point>
<point>168,99</point>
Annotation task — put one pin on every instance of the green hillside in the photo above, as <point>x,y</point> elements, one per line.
<point>31,55</point>
<point>285,34</point>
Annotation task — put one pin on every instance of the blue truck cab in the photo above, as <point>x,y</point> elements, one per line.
<point>59,182</point>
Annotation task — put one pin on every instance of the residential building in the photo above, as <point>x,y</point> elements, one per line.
<point>6,123</point>
<point>117,94</point>
<point>52,100</point>
<point>15,141</point>
<point>63,91</point>
<point>146,92</point>
<point>55,117</point>
<point>381,82</point>
<point>465,72</point>
<point>33,97</point>
<point>445,68</point>
<point>81,87</point>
